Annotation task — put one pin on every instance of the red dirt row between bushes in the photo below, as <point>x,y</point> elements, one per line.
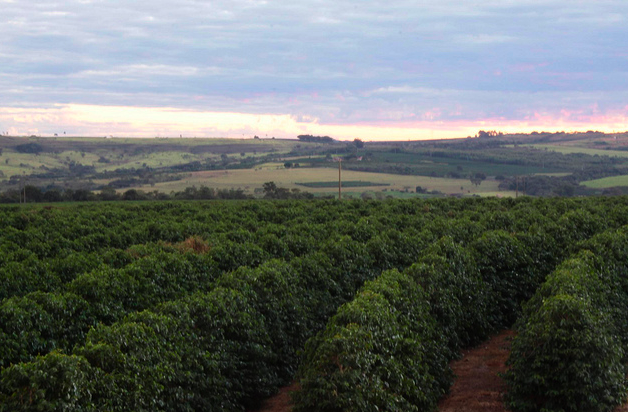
<point>279,402</point>
<point>477,388</point>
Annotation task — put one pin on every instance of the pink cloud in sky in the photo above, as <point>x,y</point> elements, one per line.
<point>527,67</point>
<point>88,120</point>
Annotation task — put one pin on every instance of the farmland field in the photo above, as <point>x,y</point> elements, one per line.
<point>354,183</point>
<point>160,167</point>
<point>289,178</point>
<point>607,182</point>
<point>569,149</point>
<point>214,305</point>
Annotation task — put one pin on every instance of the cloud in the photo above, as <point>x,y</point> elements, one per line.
<point>336,61</point>
<point>121,121</point>
<point>141,70</point>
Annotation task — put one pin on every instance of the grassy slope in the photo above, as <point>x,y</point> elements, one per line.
<point>568,149</point>
<point>607,182</point>
<point>129,153</point>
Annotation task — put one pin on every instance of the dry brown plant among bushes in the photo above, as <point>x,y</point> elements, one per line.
<point>195,244</point>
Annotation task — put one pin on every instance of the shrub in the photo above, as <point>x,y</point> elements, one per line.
<point>566,356</point>
<point>40,322</point>
<point>458,298</point>
<point>274,290</point>
<point>380,352</point>
<point>505,265</point>
<point>224,325</point>
<point>51,383</point>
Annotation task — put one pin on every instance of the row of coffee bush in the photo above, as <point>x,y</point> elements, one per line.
<point>221,350</point>
<point>196,306</point>
<point>571,352</point>
<point>389,349</point>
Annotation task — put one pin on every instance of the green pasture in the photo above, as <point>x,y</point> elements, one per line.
<point>607,182</point>
<point>334,183</point>
<point>187,141</point>
<point>132,152</point>
<point>552,174</point>
<point>249,180</point>
<point>15,163</point>
<point>153,160</point>
<point>569,149</point>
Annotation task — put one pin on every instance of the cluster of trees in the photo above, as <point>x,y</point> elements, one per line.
<point>33,148</point>
<point>529,156</point>
<point>272,191</point>
<point>206,306</point>
<point>558,186</point>
<point>315,139</point>
<point>33,194</point>
<point>491,133</point>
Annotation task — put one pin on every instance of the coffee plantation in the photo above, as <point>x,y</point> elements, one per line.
<point>214,305</point>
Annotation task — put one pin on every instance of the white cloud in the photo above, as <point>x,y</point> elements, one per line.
<point>337,61</point>
<point>483,38</point>
<point>134,70</point>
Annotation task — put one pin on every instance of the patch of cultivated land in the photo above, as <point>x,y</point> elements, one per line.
<point>607,182</point>
<point>568,149</point>
<point>249,179</point>
<point>477,388</point>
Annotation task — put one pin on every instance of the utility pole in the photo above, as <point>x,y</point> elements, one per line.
<point>339,179</point>
<point>516,187</point>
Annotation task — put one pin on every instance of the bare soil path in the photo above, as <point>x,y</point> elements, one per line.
<point>478,386</point>
<point>280,402</point>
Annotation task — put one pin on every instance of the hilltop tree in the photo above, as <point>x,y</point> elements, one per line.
<point>490,133</point>
<point>315,139</point>
<point>33,148</point>
<point>478,178</point>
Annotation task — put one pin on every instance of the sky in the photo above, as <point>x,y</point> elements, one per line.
<point>369,69</point>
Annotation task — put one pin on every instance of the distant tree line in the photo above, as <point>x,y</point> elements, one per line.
<point>315,139</point>
<point>35,194</point>
<point>271,191</point>
<point>33,148</point>
<point>541,185</point>
<point>490,133</point>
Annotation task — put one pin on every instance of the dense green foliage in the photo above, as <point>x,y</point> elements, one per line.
<point>567,355</point>
<point>469,293</point>
<point>381,351</point>
<point>184,306</point>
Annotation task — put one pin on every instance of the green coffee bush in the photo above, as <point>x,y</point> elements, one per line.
<point>380,352</point>
<point>51,383</point>
<point>566,356</point>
